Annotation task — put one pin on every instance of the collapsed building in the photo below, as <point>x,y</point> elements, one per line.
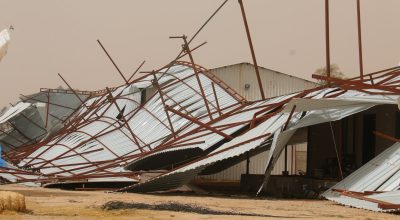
<point>183,123</point>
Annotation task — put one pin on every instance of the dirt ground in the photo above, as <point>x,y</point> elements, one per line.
<point>60,204</point>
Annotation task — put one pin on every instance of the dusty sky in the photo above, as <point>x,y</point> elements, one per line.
<point>60,36</point>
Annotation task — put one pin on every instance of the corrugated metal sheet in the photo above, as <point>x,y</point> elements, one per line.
<point>274,83</point>
<point>380,174</point>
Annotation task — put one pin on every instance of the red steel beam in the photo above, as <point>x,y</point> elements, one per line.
<point>359,40</point>
<point>196,72</point>
<point>385,136</point>
<point>133,74</point>
<point>253,55</point>
<point>357,85</point>
<point>112,61</point>
<point>327,50</point>
<point>216,99</point>
<point>155,82</point>
<point>126,122</point>
<point>194,120</point>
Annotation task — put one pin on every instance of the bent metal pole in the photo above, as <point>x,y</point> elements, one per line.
<point>253,55</point>
<point>360,57</point>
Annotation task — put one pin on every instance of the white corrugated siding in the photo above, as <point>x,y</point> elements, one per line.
<point>274,83</point>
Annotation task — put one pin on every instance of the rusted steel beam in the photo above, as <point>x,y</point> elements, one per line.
<point>360,40</point>
<point>112,61</point>
<point>178,80</point>
<point>126,122</point>
<point>194,120</point>
<point>384,205</point>
<point>384,72</point>
<point>191,50</point>
<point>47,109</point>
<point>191,39</point>
<point>253,55</point>
<point>327,49</point>
<point>208,20</point>
<point>357,85</point>
<point>196,72</point>
<point>289,118</point>
<point>133,74</point>
<point>79,98</point>
<point>361,196</point>
<point>204,71</point>
<point>385,136</point>
<point>155,83</point>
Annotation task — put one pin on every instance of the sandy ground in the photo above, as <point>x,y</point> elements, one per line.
<point>71,205</point>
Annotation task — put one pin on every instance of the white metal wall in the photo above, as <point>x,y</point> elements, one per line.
<point>274,83</point>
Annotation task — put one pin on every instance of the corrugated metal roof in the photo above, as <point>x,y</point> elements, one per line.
<point>101,143</point>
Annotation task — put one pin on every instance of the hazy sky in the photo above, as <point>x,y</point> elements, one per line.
<point>60,36</point>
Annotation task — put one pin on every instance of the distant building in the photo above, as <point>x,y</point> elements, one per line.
<point>242,78</point>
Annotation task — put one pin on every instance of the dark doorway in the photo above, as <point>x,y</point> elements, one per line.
<point>369,124</point>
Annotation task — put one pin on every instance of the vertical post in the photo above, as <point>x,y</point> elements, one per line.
<point>359,40</point>
<point>293,156</point>
<point>47,109</point>
<point>253,55</point>
<point>216,99</point>
<point>328,58</point>
<point>285,172</point>
<point>247,163</point>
